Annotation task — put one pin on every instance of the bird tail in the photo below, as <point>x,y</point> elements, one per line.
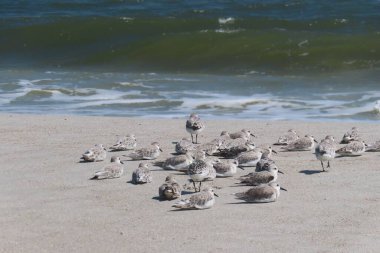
<point>239,195</point>
<point>99,174</point>
<point>182,204</point>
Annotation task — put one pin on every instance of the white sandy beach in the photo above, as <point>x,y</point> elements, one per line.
<point>48,203</point>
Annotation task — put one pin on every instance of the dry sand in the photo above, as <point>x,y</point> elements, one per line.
<point>47,203</point>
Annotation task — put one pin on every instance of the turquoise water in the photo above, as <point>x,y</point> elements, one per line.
<point>238,59</point>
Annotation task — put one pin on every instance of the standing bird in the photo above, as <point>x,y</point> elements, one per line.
<point>289,137</point>
<point>202,200</point>
<point>124,143</point>
<point>261,194</point>
<point>113,170</point>
<point>201,170</point>
<point>148,153</point>
<point>142,174</point>
<point>302,144</point>
<point>325,150</point>
<point>194,125</point>
<point>354,148</point>
<point>170,189</point>
<point>352,135</point>
<point>95,154</point>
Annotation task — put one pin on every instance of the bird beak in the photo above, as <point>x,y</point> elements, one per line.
<point>216,195</point>
<point>315,141</point>
<point>161,150</point>
<point>253,135</point>
<point>274,151</point>
<point>283,189</point>
<point>279,171</point>
<point>121,162</point>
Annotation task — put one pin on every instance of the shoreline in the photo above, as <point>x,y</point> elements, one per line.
<point>49,204</point>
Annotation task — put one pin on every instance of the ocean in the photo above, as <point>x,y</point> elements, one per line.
<point>270,60</point>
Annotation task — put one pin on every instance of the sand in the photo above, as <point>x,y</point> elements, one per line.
<point>48,203</point>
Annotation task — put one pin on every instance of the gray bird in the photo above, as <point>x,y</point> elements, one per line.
<point>113,170</point>
<point>170,189</point>
<point>264,193</point>
<point>194,125</point>
<point>142,174</point>
<point>262,177</point>
<point>325,151</point>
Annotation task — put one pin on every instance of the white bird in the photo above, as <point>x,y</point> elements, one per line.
<point>261,194</point>
<point>267,151</point>
<point>170,189</point>
<point>249,158</point>
<point>265,164</point>
<point>226,169</point>
<point>201,170</point>
<point>202,200</point>
<point>142,174</point>
<point>289,137</point>
<point>244,133</point>
<point>354,148</point>
<point>95,154</point>
<point>194,125</point>
<point>179,163</point>
<point>113,170</point>
<point>262,177</point>
<point>184,146</point>
<point>124,143</point>
<point>302,144</point>
<point>325,151</point>
<point>352,135</point>
<point>374,147</point>
<point>147,153</point>
<point>234,147</point>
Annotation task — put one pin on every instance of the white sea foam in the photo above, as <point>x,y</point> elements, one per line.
<point>224,21</point>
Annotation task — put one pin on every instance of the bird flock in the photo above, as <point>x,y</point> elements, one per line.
<point>221,157</point>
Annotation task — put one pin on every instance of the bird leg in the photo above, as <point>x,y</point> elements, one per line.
<point>328,164</point>
<point>192,140</point>
<point>196,139</point>
<point>200,184</point>
<point>195,189</point>
<point>323,167</point>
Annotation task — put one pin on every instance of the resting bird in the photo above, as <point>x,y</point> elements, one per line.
<point>127,142</point>
<point>261,194</point>
<point>202,200</point>
<point>95,154</point>
<point>113,170</point>
<point>142,174</point>
<point>170,189</point>
<point>148,153</point>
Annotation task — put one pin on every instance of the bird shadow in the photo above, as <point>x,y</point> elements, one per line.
<point>311,172</point>
<point>245,203</point>
<point>159,199</point>
<point>115,151</point>
<point>84,161</point>
<point>187,192</point>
